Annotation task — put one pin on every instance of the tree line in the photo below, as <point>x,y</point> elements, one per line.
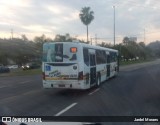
<point>20,50</point>
<point>132,50</point>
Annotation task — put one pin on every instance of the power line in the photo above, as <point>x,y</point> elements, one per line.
<point>145,33</point>
<point>137,4</point>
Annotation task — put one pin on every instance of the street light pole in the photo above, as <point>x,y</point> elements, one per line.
<point>96,39</point>
<point>144,35</point>
<point>114,26</point>
<point>91,40</point>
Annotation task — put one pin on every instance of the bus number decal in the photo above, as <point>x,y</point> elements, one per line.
<point>55,73</point>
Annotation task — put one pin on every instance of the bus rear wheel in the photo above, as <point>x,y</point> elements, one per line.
<point>98,82</point>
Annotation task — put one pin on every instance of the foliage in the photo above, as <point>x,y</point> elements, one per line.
<point>130,50</point>
<point>67,38</point>
<point>63,38</point>
<point>103,44</point>
<point>24,37</point>
<point>125,40</point>
<point>21,51</point>
<point>86,17</point>
<point>39,41</point>
<point>17,51</point>
<point>155,48</point>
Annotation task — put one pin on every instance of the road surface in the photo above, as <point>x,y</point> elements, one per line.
<point>134,92</point>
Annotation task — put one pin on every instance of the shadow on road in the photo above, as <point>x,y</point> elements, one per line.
<point>69,92</point>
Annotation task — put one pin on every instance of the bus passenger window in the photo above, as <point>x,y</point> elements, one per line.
<point>74,57</point>
<point>86,56</point>
<point>92,60</point>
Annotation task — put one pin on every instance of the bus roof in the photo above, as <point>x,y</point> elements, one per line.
<point>85,45</point>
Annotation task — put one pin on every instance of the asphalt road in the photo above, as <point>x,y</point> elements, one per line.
<point>135,91</point>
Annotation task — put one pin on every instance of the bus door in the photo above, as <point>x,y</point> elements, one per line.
<point>92,60</point>
<point>108,64</point>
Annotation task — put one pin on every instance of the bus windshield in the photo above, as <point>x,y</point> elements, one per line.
<point>59,53</point>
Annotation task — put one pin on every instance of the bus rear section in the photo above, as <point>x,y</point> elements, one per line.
<point>61,66</point>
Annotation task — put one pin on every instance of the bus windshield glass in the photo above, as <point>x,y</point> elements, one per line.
<point>58,53</point>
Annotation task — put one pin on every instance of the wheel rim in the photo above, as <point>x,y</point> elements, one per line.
<point>98,82</point>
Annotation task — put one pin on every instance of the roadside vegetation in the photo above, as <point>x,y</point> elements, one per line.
<point>131,52</point>
<point>20,72</point>
<point>19,51</point>
<point>123,63</point>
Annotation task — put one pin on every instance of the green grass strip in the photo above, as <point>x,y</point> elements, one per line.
<point>20,72</point>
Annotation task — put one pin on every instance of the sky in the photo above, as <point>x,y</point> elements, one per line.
<point>133,18</point>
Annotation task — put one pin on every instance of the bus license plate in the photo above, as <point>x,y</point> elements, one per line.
<point>61,85</point>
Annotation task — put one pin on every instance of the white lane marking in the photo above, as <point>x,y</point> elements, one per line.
<point>24,82</point>
<point>66,109</point>
<point>94,91</point>
<point>2,87</point>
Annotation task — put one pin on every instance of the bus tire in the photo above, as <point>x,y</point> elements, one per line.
<point>98,81</point>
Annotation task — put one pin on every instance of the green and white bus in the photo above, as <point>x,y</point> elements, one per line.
<point>76,65</point>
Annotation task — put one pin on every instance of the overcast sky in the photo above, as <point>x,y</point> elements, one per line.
<point>51,17</point>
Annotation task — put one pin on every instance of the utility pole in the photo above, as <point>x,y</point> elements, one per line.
<point>114,25</point>
<point>91,40</point>
<point>12,34</point>
<point>96,39</point>
<point>144,35</point>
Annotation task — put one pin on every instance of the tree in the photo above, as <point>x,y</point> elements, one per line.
<point>155,48</point>
<point>125,40</point>
<point>39,41</point>
<point>103,44</point>
<point>20,51</point>
<point>86,17</point>
<point>142,44</point>
<point>63,38</point>
<point>24,38</point>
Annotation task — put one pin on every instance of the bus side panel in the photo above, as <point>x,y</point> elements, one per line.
<point>85,69</point>
<point>101,68</point>
<point>113,69</point>
<point>86,76</point>
<point>114,64</point>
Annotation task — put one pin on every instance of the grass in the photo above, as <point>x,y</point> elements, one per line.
<point>20,72</point>
<point>122,63</point>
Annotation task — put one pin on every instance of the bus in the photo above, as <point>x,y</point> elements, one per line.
<point>76,65</point>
